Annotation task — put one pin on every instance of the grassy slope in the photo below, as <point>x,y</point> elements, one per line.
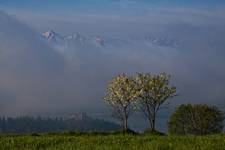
<point>109,142</point>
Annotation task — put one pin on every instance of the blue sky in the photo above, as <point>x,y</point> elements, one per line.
<point>94,5</point>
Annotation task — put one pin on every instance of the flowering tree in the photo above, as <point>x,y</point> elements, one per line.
<point>121,95</point>
<point>154,92</point>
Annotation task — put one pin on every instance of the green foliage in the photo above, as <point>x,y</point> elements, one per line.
<point>155,90</point>
<point>196,120</point>
<point>111,142</point>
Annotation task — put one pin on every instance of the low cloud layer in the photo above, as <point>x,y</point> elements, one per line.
<point>35,78</point>
<point>29,69</point>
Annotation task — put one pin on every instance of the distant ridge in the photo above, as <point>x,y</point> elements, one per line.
<point>78,122</point>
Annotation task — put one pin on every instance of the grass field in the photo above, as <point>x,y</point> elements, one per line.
<point>110,142</point>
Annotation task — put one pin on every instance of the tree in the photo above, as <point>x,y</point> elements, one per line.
<point>199,119</point>
<point>121,94</point>
<point>154,92</point>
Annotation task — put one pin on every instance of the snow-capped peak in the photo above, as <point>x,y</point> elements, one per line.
<point>75,36</point>
<point>48,34</point>
<point>100,40</point>
<point>51,35</point>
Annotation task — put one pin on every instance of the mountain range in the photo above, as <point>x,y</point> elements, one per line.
<point>101,42</point>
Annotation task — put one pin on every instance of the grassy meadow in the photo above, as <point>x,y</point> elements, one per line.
<point>110,142</point>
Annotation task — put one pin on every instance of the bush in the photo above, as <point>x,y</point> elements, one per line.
<point>196,120</point>
<point>153,132</point>
<point>128,131</point>
<point>35,134</point>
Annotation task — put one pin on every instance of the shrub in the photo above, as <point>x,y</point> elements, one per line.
<point>153,132</point>
<point>196,120</point>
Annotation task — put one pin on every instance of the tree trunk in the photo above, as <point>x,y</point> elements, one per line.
<point>151,120</point>
<point>153,124</point>
<point>125,118</point>
<point>125,128</point>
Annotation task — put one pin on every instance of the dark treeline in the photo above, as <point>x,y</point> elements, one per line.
<point>39,124</point>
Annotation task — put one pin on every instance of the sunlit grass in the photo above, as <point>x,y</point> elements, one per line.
<point>109,142</point>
